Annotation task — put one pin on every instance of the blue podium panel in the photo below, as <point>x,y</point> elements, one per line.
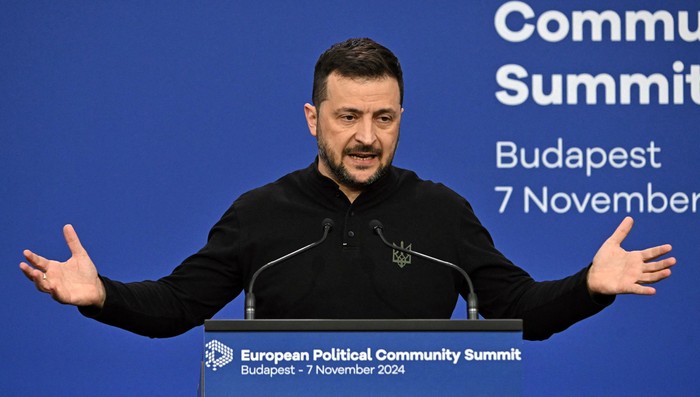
<point>363,358</point>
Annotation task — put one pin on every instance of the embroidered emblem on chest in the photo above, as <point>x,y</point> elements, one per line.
<point>400,258</point>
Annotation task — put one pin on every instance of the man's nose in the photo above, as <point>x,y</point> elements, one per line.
<point>365,133</point>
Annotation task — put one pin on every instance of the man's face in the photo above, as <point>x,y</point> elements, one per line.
<point>357,129</point>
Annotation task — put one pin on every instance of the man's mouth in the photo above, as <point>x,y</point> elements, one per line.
<point>363,154</point>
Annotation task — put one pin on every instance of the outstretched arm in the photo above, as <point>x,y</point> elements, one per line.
<point>617,271</point>
<point>73,282</point>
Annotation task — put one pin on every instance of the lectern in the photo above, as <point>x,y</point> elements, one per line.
<point>362,358</point>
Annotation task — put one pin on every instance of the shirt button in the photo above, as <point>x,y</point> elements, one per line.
<point>351,234</point>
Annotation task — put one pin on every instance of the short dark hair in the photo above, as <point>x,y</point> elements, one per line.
<point>360,57</point>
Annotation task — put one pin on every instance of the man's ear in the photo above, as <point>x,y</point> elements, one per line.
<point>311,114</point>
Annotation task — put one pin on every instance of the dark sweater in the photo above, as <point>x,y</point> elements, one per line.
<point>352,275</point>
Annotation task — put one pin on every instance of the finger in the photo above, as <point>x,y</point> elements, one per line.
<point>622,231</point>
<point>36,276</point>
<point>655,252</point>
<point>656,271</point>
<point>37,261</point>
<point>31,273</point>
<point>72,240</point>
<point>651,278</point>
<point>651,267</point>
<point>642,290</point>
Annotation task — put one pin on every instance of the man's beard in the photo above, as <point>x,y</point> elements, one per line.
<point>337,168</point>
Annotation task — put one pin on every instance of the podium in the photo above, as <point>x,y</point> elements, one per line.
<point>362,358</point>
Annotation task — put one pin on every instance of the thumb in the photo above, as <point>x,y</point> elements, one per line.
<point>72,240</point>
<point>622,231</point>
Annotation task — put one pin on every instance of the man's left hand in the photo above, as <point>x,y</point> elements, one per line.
<point>617,271</point>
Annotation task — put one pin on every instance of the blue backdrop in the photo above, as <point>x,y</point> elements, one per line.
<point>140,124</point>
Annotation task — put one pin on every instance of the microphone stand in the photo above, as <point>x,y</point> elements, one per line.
<point>250,297</point>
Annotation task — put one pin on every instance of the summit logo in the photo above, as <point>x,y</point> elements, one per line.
<point>217,355</point>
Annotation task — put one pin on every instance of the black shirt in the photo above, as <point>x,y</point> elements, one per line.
<point>352,274</point>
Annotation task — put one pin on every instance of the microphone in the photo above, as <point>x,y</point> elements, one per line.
<point>250,297</point>
<point>472,303</point>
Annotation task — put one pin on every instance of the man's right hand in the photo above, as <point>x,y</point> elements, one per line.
<point>73,282</point>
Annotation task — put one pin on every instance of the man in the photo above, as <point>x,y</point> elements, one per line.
<point>355,117</point>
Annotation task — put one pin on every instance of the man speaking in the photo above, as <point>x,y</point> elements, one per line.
<point>355,116</point>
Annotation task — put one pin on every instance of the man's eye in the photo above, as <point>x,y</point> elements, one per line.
<point>347,117</point>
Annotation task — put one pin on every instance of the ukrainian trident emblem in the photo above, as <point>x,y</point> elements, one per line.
<point>401,258</point>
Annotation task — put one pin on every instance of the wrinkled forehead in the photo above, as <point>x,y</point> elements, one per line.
<point>384,89</point>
